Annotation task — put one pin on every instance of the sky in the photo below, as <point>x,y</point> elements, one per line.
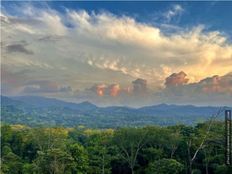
<point>118,53</point>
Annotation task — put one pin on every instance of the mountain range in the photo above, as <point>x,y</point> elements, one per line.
<point>41,111</point>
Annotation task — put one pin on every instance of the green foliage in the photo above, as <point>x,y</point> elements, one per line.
<point>28,168</point>
<point>80,157</point>
<point>11,163</point>
<point>196,171</point>
<point>130,142</point>
<point>80,150</point>
<point>54,161</point>
<point>99,151</point>
<point>165,166</point>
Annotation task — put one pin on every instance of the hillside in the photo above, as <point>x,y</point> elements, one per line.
<point>34,111</point>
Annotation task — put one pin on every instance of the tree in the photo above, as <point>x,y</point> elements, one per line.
<point>99,152</point>
<point>150,149</point>
<point>48,138</point>
<point>214,145</point>
<point>6,134</point>
<point>54,161</point>
<point>11,163</point>
<point>165,166</point>
<point>193,138</point>
<point>80,157</point>
<point>151,154</point>
<point>28,168</point>
<point>174,139</point>
<point>130,141</point>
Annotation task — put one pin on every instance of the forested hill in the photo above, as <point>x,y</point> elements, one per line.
<point>34,111</point>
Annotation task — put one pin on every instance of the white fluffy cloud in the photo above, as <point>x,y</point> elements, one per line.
<point>81,48</point>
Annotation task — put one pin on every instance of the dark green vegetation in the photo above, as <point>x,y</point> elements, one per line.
<point>147,150</point>
<point>34,111</point>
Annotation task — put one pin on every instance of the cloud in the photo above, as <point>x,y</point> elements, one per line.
<point>81,48</point>
<point>114,90</point>
<point>217,84</point>
<point>45,86</point>
<point>176,79</point>
<point>12,81</point>
<point>139,86</point>
<point>176,10</point>
<point>18,48</point>
<point>50,38</point>
<point>101,90</point>
<point>134,94</point>
<point>209,85</point>
<point>121,44</point>
<point>65,89</point>
<point>215,90</point>
<point>18,82</point>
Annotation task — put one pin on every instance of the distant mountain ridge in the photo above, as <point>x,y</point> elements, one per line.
<point>52,102</point>
<point>34,110</point>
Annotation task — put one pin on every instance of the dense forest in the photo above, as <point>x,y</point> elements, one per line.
<point>144,150</point>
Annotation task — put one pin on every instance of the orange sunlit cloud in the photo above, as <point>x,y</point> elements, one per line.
<point>114,90</point>
<point>100,89</point>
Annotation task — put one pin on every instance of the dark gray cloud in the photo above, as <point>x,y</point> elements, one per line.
<point>139,86</point>
<point>65,89</point>
<point>18,48</point>
<point>50,38</point>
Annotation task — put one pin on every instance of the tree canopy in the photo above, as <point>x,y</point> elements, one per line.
<point>143,150</point>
